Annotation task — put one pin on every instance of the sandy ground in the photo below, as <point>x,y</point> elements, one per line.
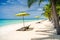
<point>41,31</point>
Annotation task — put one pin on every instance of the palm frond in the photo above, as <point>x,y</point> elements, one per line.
<point>30,2</point>
<point>40,1</point>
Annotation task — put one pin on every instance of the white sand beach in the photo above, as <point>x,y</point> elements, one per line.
<point>41,31</point>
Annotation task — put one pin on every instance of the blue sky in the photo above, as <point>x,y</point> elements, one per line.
<point>8,9</point>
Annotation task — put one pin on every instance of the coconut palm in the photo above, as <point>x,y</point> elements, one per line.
<point>47,12</point>
<point>54,13</point>
<point>23,14</point>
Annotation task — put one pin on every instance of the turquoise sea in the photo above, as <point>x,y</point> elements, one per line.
<point>8,22</point>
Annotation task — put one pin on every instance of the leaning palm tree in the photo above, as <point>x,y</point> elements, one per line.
<point>48,13</point>
<point>54,13</point>
<point>23,14</point>
<point>55,16</point>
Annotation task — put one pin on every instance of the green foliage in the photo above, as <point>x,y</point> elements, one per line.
<point>57,2</point>
<point>40,1</point>
<point>47,10</point>
<point>30,2</point>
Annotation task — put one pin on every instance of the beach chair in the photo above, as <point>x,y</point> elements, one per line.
<point>24,28</point>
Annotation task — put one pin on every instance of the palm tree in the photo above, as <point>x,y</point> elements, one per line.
<point>54,13</point>
<point>47,12</point>
<point>55,16</point>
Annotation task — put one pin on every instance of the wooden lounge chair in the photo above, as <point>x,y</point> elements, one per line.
<point>24,28</point>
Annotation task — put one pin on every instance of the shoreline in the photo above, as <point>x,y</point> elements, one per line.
<point>39,31</point>
<point>17,22</point>
<point>12,27</point>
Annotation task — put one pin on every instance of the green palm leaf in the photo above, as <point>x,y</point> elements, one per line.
<point>30,2</point>
<point>40,1</point>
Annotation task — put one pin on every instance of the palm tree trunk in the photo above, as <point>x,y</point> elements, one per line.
<point>49,17</point>
<point>55,16</point>
<point>53,21</point>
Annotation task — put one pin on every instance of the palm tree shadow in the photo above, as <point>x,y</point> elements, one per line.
<point>50,37</point>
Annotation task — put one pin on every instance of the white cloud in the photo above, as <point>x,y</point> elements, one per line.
<point>10,11</point>
<point>39,9</point>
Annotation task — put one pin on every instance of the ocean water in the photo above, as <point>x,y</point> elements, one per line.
<point>8,22</point>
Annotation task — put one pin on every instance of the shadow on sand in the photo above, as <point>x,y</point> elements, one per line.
<point>52,36</point>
